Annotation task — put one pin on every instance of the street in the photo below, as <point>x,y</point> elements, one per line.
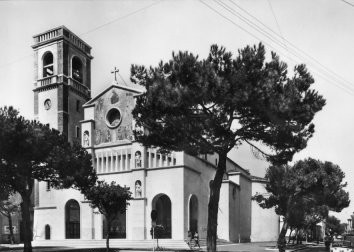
<point>261,247</point>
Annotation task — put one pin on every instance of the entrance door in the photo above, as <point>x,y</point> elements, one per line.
<point>162,204</point>
<point>72,220</point>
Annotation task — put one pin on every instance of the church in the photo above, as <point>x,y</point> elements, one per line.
<point>175,185</point>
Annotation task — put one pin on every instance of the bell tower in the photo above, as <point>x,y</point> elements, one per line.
<point>62,80</point>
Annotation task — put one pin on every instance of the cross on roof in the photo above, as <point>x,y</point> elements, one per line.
<point>115,71</point>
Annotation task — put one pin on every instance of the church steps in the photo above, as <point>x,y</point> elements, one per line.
<point>114,243</point>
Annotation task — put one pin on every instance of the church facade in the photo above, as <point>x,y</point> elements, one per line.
<point>175,185</point>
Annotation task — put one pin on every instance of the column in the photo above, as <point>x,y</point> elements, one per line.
<point>111,165</point>
<point>102,163</point>
<point>116,161</point>
<point>121,160</point>
<point>149,158</point>
<point>126,159</point>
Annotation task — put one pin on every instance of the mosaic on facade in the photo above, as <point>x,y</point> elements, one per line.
<point>113,117</point>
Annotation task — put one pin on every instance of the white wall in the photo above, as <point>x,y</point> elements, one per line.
<point>265,222</point>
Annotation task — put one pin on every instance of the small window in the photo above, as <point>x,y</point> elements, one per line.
<point>48,69</point>
<point>77,132</point>
<point>48,186</point>
<point>78,105</point>
<point>47,232</point>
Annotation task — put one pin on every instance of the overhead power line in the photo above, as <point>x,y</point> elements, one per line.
<point>348,3</point>
<point>120,18</point>
<point>292,45</point>
<point>276,21</point>
<point>294,51</point>
<point>323,74</point>
<point>92,30</point>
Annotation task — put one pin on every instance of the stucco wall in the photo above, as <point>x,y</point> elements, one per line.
<point>265,222</point>
<point>245,208</point>
<point>52,212</point>
<point>48,116</point>
<point>196,182</point>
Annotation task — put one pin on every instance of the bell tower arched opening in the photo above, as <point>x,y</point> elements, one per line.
<point>48,65</point>
<point>76,69</point>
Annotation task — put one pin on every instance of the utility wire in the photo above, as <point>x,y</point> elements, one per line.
<point>294,46</point>
<point>323,74</point>
<point>120,18</point>
<point>122,79</point>
<point>348,3</point>
<point>92,30</point>
<point>293,51</point>
<point>276,20</point>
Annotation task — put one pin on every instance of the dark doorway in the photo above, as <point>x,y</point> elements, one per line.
<point>118,227</point>
<point>193,214</point>
<point>72,220</point>
<point>162,204</point>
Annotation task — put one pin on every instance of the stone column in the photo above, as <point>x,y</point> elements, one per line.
<point>116,161</point>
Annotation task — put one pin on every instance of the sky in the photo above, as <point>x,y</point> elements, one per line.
<point>319,33</point>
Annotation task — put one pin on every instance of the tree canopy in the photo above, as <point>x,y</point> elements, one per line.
<point>334,226</point>
<point>215,104</point>
<point>9,205</point>
<point>32,151</point>
<point>110,200</point>
<point>304,192</point>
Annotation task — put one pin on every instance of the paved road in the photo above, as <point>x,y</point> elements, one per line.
<point>318,249</point>
<point>243,247</point>
<point>262,247</point>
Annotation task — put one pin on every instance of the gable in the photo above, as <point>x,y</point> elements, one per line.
<point>113,115</point>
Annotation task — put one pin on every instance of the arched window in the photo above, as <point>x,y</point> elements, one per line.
<point>77,69</point>
<point>48,65</point>
<point>162,204</point>
<point>72,220</point>
<point>47,232</point>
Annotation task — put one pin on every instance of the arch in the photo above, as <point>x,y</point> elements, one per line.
<point>76,69</point>
<point>47,232</point>
<point>48,64</point>
<point>72,220</point>
<point>162,204</point>
<point>193,213</point>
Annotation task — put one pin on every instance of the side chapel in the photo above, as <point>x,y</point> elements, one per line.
<point>175,185</point>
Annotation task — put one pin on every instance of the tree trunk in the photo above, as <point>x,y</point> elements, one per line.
<point>108,225</point>
<point>214,203</point>
<point>281,239</point>
<point>25,209</point>
<point>12,238</point>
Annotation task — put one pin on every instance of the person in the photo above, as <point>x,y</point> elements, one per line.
<point>196,239</point>
<point>189,238</point>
